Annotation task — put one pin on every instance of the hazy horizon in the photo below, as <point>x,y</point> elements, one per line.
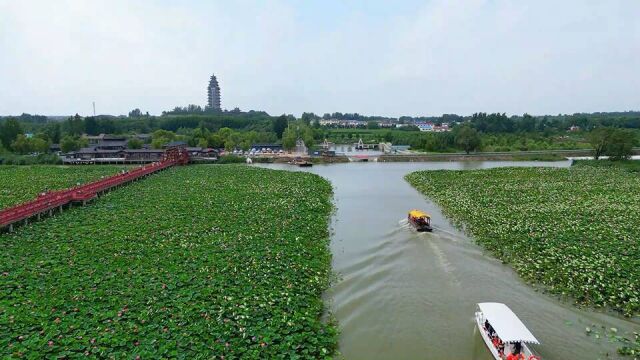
<point>415,58</point>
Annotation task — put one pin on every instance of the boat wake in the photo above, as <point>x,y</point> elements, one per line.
<point>451,233</point>
<point>445,264</point>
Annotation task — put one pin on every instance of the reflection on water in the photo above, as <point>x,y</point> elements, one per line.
<point>408,295</point>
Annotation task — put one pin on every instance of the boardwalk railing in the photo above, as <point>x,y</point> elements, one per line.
<point>47,202</point>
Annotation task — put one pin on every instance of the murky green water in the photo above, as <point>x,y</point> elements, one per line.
<point>408,295</point>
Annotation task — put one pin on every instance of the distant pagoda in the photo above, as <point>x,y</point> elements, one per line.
<point>213,94</point>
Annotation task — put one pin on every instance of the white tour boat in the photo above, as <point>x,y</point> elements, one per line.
<point>503,332</point>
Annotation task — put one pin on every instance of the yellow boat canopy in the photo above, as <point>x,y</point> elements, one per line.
<point>419,214</point>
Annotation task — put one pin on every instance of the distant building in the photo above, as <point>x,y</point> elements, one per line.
<point>329,122</point>
<point>343,123</point>
<point>113,149</point>
<point>431,127</point>
<point>425,126</point>
<point>266,147</point>
<point>442,128</point>
<point>107,142</point>
<point>574,128</point>
<point>213,94</point>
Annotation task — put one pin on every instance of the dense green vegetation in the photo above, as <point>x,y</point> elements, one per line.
<point>23,183</point>
<point>235,129</point>
<point>573,230</point>
<point>617,144</point>
<point>7,158</point>
<point>452,142</point>
<point>501,123</point>
<point>629,165</point>
<point>222,261</point>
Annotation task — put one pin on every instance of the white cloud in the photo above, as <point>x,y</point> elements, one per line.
<point>441,56</point>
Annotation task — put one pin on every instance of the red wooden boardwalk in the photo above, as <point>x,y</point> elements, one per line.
<point>47,202</point>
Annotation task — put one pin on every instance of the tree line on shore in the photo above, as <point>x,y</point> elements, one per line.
<point>613,134</point>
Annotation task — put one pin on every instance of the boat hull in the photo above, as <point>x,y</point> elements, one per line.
<point>420,227</point>
<point>485,337</point>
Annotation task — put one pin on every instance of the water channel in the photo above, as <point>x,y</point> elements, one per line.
<point>407,295</point>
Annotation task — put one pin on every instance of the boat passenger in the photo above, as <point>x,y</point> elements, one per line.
<point>517,347</point>
<point>495,341</point>
<point>489,328</point>
<point>516,355</point>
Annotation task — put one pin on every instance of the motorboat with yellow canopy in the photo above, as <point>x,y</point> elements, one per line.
<point>420,220</point>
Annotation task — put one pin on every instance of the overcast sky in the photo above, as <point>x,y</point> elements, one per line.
<point>371,57</point>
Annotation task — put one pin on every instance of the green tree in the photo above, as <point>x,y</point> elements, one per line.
<point>135,113</point>
<point>203,143</point>
<point>69,143</point>
<point>73,125</point>
<point>251,137</point>
<point>91,126</point>
<point>83,142</point>
<point>161,137</point>
<point>229,145</point>
<point>289,138</point>
<point>467,138</point>
<point>225,133</point>
<point>135,143</point>
<point>53,132</point>
<point>39,145</point>
<point>9,131</point>
<point>373,125</point>
<point>307,136</point>
<point>22,145</point>
<point>159,143</point>
<point>166,134</point>
<point>307,118</point>
<point>620,146</point>
<point>528,123</point>
<point>245,145</point>
<point>43,136</point>
<point>215,141</point>
<point>599,139</point>
<point>279,125</point>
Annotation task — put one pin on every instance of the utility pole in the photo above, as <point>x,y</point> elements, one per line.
<point>94,108</point>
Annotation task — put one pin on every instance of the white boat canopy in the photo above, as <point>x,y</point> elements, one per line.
<point>506,324</point>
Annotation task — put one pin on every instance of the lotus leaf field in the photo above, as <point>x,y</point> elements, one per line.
<point>202,261</point>
<point>576,231</point>
<point>23,183</point>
